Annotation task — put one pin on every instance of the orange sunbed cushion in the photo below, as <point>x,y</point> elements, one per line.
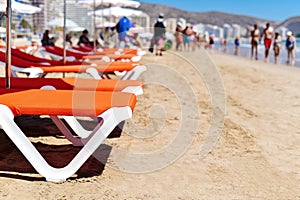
<point>82,55</point>
<point>70,83</point>
<point>112,56</point>
<point>63,102</point>
<point>105,67</point>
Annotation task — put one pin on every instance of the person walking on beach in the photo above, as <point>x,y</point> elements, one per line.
<point>178,37</point>
<point>122,27</point>
<point>255,36</point>
<point>236,46</point>
<point>211,40</point>
<point>277,46</point>
<point>159,35</point>
<point>267,34</point>
<point>290,47</point>
<point>187,32</point>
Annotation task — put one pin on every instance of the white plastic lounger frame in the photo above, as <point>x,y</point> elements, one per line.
<point>133,74</point>
<point>75,125</point>
<point>36,72</point>
<point>111,118</point>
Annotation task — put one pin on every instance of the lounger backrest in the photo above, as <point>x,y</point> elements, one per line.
<point>21,62</point>
<point>60,52</point>
<point>32,58</point>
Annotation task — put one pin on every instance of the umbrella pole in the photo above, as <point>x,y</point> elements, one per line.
<point>8,45</point>
<point>64,34</point>
<point>94,22</point>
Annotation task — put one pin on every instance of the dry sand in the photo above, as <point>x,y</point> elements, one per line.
<point>158,155</point>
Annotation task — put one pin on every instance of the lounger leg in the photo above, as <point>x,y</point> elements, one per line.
<point>112,117</point>
<point>14,74</point>
<point>75,126</point>
<point>77,129</point>
<point>135,73</point>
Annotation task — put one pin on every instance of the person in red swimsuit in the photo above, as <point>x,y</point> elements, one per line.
<point>267,34</point>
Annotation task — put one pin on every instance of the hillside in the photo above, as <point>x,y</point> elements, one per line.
<point>213,17</point>
<point>292,24</point>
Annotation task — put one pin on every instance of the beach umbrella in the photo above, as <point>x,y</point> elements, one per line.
<point>20,7</point>
<point>59,22</point>
<point>106,24</point>
<point>122,3</point>
<point>76,29</point>
<point>2,30</point>
<point>116,12</point>
<point>16,7</point>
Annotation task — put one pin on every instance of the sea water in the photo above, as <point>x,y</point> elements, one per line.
<point>245,51</point>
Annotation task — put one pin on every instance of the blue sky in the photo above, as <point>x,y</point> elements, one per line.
<point>266,9</point>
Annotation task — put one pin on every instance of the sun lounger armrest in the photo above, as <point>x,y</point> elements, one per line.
<point>34,72</point>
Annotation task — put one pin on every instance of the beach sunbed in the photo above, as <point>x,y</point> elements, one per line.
<point>98,70</point>
<point>32,58</point>
<point>129,86</point>
<point>113,108</point>
<point>57,51</point>
<point>131,72</point>
<point>90,49</point>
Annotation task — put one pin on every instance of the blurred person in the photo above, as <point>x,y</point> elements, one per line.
<point>211,41</point>
<point>267,34</point>
<point>290,47</point>
<point>206,39</point>
<point>46,40</point>
<point>255,37</point>
<point>159,35</point>
<point>122,27</point>
<point>134,40</point>
<point>187,32</point>
<point>225,45</point>
<point>84,39</point>
<point>105,36</point>
<point>178,37</point>
<point>236,46</point>
<point>194,40</point>
<point>2,41</point>
<point>276,46</point>
<point>69,42</point>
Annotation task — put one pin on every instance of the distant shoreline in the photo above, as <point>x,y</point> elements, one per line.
<point>245,51</point>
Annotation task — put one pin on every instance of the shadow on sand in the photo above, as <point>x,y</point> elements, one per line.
<point>14,165</point>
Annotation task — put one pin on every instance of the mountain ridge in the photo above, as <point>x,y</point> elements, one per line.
<point>211,17</point>
<point>293,24</point>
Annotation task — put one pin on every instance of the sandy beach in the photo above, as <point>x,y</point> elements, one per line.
<point>208,126</point>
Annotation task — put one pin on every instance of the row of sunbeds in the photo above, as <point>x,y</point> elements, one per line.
<point>39,67</point>
<point>111,101</point>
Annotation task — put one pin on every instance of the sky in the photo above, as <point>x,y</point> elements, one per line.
<point>265,9</point>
